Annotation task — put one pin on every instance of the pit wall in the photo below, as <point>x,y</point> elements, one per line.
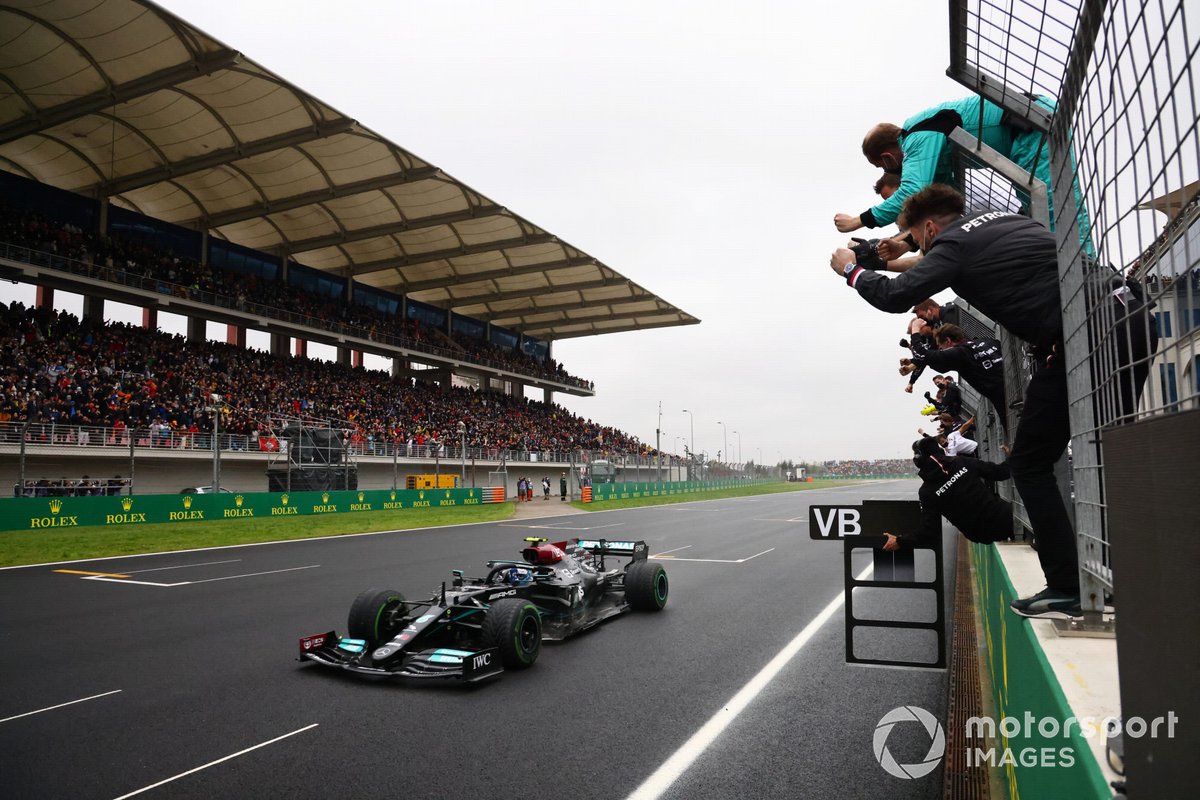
<point>624,491</point>
<point>35,513</point>
<point>1022,683</point>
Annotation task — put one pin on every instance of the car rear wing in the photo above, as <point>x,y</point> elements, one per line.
<point>638,551</point>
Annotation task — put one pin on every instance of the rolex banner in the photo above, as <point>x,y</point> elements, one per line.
<point>628,491</point>
<point>34,513</point>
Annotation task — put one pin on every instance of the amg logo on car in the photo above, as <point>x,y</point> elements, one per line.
<point>498,595</point>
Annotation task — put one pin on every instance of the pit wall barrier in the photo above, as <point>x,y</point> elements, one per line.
<point>626,491</point>
<point>1023,683</point>
<point>33,513</point>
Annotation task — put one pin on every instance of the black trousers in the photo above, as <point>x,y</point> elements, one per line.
<point>1041,439</point>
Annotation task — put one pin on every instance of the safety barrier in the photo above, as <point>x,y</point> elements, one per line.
<point>627,491</point>
<point>45,513</point>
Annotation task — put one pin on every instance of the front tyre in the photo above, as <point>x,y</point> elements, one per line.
<point>646,586</point>
<point>514,626</point>
<point>376,615</point>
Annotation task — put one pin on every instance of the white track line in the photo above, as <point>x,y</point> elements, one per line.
<point>326,539</point>
<point>60,705</point>
<point>674,507</point>
<point>182,566</point>
<point>673,558</point>
<point>204,580</point>
<point>673,549</point>
<point>218,761</point>
<point>666,775</point>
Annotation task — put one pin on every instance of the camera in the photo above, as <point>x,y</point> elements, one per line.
<point>866,254</point>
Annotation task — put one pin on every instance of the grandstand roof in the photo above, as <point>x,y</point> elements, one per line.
<point>122,99</point>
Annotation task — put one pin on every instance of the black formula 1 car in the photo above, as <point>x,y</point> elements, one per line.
<point>478,627</point>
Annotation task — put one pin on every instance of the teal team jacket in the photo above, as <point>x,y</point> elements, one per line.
<point>927,158</point>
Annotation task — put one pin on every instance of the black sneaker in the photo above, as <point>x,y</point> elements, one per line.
<point>1049,604</point>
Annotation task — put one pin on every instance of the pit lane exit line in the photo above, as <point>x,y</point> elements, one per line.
<point>202,580</point>
<point>665,776</point>
<point>712,560</point>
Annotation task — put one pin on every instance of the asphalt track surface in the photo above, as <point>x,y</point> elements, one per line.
<point>205,672</point>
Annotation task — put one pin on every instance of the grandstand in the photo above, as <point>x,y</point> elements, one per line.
<point>163,169</point>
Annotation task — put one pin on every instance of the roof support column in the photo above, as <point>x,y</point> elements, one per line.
<point>102,219</point>
<point>301,348</point>
<point>236,335</point>
<point>93,308</point>
<point>197,330</point>
<point>283,268</point>
<point>280,343</point>
<point>45,297</point>
<point>150,318</point>
<point>343,355</point>
<point>204,247</point>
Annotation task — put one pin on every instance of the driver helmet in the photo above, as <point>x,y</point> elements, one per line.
<point>517,577</point>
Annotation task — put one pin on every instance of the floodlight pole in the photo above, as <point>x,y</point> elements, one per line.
<point>693,428</point>
<point>725,434</point>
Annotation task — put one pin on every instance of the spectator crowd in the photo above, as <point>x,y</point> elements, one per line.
<point>55,368</point>
<point>125,260</point>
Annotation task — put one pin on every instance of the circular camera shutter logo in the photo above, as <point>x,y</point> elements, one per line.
<point>937,746</point>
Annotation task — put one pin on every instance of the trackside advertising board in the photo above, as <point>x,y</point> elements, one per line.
<point>626,491</point>
<point>34,513</point>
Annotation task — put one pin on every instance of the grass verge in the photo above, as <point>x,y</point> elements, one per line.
<point>691,497</point>
<point>40,546</point>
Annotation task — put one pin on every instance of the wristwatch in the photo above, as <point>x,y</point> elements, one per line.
<point>846,270</point>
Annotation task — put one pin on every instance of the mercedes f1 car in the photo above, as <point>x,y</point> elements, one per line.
<point>475,628</point>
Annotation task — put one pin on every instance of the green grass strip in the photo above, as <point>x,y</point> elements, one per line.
<point>691,497</point>
<point>68,544</point>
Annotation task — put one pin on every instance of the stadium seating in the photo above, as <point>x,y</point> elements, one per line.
<point>59,371</point>
<point>131,262</point>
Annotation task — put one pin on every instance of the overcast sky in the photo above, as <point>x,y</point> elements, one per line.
<point>699,149</point>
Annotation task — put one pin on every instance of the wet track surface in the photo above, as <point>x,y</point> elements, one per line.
<point>201,649</point>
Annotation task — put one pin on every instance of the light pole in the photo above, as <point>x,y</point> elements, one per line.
<point>462,451</point>
<point>693,428</point>
<point>740,460</point>
<point>725,434</point>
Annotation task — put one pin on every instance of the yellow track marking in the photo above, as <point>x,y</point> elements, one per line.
<point>98,574</point>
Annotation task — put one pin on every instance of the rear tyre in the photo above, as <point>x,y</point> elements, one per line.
<point>646,586</point>
<point>514,626</point>
<point>376,615</point>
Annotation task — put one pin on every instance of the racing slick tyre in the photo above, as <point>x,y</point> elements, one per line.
<point>376,615</point>
<point>514,626</point>
<point>646,586</point>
